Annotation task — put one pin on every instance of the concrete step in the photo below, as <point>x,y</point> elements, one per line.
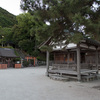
<point>59,78</point>
<point>98,76</point>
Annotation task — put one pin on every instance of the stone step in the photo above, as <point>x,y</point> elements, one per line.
<point>98,76</point>
<point>60,78</point>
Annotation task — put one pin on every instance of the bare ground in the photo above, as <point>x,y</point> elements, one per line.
<point>32,84</point>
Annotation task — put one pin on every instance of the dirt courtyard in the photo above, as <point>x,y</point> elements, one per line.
<point>32,84</point>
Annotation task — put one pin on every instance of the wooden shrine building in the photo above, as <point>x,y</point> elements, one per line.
<point>6,58</point>
<point>76,60</point>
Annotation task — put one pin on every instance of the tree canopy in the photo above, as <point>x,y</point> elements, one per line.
<point>69,20</point>
<point>5,36</point>
<point>7,19</point>
<point>24,33</point>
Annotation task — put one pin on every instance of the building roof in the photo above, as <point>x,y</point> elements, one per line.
<point>91,41</point>
<point>60,46</point>
<point>48,41</point>
<point>6,52</point>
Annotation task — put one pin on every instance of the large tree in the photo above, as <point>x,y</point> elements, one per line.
<point>69,20</point>
<point>24,33</point>
<point>5,36</point>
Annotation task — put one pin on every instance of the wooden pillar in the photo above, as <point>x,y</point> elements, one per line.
<point>96,61</point>
<point>21,62</point>
<point>27,58</point>
<point>68,59</point>
<point>54,58</point>
<point>47,63</point>
<point>34,61</point>
<point>78,63</point>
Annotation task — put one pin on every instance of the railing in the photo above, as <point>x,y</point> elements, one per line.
<point>3,66</point>
<point>40,63</point>
<point>73,66</point>
<point>70,66</point>
<point>90,66</point>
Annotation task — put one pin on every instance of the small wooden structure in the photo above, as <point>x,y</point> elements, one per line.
<point>79,61</point>
<point>32,58</point>
<point>6,58</point>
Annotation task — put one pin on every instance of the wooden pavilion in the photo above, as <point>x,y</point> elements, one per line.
<point>78,61</point>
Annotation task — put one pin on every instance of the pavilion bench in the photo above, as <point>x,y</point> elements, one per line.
<point>70,71</point>
<point>64,66</point>
<point>88,77</point>
<point>89,74</point>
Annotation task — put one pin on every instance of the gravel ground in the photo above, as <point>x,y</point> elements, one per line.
<point>32,84</point>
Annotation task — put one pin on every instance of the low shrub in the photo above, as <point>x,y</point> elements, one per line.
<point>25,63</point>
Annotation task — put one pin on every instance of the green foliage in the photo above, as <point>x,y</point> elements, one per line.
<point>31,61</point>
<point>73,15</point>
<point>35,53</point>
<point>7,19</point>
<point>5,36</point>
<point>46,48</point>
<point>16,53</point>
<point>25,63</point>
<point>10,47</point>
<point>26,45</point>
<point>16,59</point>
<point>42,32</point>
<point>24,33</point>
<point>76,38</point>
<point>41,58</point>
<point>28,63</point>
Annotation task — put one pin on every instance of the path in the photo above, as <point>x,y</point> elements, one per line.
<point>32,84</point>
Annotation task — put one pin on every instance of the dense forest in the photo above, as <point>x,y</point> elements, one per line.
<point>68,20</point>
<point>18,32</point>
<point>7,19</point>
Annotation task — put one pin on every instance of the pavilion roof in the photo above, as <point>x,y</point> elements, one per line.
<point>59,46</point>
<point>6,52</point>
<point>91,42</point>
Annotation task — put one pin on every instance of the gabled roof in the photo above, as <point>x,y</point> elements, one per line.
<point>46,42</point>
<point>91,41</point>
<point>59,46</point>
<point>6,52</point>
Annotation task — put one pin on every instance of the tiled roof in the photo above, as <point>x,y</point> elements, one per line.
<point>6,52</point>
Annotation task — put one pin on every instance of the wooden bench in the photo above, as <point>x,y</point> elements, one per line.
<point>88,78</point>
<point>70,70</point>
<point>88,74</point>
<point>64,66</point>
<point>98,76</point>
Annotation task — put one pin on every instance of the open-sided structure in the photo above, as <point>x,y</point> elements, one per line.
<point>75,60</point>
<point>6,58</point>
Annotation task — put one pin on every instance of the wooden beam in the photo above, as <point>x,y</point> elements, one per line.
<point>54,57</point>
<point>47,63</point>
<point>75,57</point>
<point>68,59</point>
<point>96,60</point>
<point>78,63</point>
<point>84,46</point>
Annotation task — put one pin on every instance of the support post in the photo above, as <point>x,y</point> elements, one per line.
<point>21,62</point>
<point>54,58</point>
<point>78,63</point>
<point>96,61</point>
<point>68,59</point>
<point>47,63</point>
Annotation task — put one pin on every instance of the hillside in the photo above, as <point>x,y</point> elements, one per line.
<point>7,19</point>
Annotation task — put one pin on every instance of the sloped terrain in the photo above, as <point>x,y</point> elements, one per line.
<point>7,19</point>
